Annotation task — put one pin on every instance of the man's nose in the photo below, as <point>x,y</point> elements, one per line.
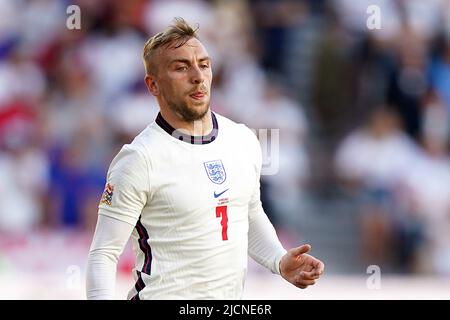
<point>197,76</point>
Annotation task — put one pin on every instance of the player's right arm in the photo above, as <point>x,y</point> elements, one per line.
<point>125,195</point>
<point>111,236</point>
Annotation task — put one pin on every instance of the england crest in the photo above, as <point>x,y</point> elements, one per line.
<point>216,171</point>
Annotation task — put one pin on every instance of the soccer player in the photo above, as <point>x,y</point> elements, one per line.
<point>187,191</point>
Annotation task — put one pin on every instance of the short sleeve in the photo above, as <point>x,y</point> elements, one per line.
<point>127,186</point>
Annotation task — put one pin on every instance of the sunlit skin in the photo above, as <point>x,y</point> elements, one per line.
<point>300,268</point>
<point>182,86</point>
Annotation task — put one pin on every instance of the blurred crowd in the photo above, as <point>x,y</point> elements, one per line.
<point>363,114</point>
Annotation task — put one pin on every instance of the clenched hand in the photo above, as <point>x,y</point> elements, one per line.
<point>299,268</point>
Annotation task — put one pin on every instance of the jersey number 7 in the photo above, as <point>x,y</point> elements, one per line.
<point>221,211</point>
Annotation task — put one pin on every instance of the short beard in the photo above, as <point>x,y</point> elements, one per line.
<point>186,113</point>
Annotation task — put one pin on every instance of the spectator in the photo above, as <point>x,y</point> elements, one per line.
<point>370,163</point>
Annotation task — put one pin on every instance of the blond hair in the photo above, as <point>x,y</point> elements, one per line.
<point>174,36</point>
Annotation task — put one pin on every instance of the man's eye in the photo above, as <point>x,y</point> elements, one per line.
<point>204,66</point>
<point>184,68</point>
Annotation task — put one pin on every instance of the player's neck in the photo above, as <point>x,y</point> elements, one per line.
<point>201,127</point>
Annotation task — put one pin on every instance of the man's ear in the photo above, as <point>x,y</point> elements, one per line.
<point>152,85</point>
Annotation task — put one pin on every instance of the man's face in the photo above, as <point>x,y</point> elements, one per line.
<point>184,79</point>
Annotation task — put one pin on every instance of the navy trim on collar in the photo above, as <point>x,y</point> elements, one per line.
<point>188,138</point>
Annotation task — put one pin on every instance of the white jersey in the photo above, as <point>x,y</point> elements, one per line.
<point>191,204</point>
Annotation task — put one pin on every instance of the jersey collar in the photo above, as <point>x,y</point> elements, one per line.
<point>188,138</point>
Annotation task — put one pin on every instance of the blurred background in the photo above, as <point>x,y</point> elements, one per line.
<point>364,119</point>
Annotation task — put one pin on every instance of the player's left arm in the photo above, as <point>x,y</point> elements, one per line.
<point>295,265</point>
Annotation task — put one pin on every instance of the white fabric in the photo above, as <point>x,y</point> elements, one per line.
<point>110,238</point>
<point>375,161</point>
<point>161,186</point>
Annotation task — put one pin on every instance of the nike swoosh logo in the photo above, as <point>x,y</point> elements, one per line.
<point>216,195</point>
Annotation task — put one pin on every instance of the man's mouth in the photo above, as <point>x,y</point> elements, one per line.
<point>198,95</point>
